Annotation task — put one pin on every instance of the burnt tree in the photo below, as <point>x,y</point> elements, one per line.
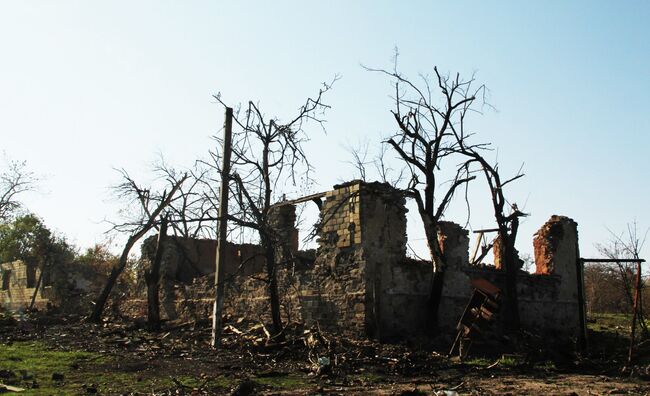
<point>267,152</point>
<point>425,114</point>
<point>507,223</point>
<point>152,278</point>
<point>507,226</point>
<point>149,206</point>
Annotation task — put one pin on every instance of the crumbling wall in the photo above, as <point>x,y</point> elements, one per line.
<point>333,294</point>
<point>557,256</point>
<point>18,286</point>
<point>548,300</point>
<point>454,244</point>
<point>185,259</point>
<point>359,281</point>
<point>283,222</point>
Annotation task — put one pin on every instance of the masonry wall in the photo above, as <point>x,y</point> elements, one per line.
<point>454,243</point>
<point>548,299</point>
<point>334,293</point>
<point>359,281</point>
<point>15,294</point>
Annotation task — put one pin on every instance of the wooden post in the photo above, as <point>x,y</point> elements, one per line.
<point>222,224</point>
<point>479,238</point>
<point>637,288</point>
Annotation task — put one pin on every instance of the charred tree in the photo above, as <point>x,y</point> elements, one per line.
<point>152,278</point>
<point>267,152</point>
<point>425,114</point>
<point>150,207</point>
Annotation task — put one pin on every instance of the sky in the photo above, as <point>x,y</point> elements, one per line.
<point>90,86</point>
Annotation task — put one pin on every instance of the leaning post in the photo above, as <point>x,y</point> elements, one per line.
<point>222,230</point>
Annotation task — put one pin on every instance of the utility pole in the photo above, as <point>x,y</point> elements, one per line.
<point>217,327</point>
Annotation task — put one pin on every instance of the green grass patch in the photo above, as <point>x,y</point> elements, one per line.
<point>547,365</point>
<point>618,322</point>
<point>30,365</point>
<point>33,364</point>
<point>478,362</point>
<point>509,361</point>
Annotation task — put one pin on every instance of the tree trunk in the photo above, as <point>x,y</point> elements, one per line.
<point>274,296</point>
<point>96,315</point>
<point>509,260</point>
<point>152,277</point>
<point>38,286</point>
<point>437,278</point>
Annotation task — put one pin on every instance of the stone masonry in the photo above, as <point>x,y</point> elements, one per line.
<point>359,281</point>
<point>18,286</point>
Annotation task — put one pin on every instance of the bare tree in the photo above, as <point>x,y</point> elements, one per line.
<point>14,180</point>
<point>149,206</point>
<point>366,165</point>
<point>432,119</point>
<point>152,278</point>
<point>266,153</point>
<point>627,245</point>
<point>193,213</point>
<point>508,225</point>
<point>425,115</point>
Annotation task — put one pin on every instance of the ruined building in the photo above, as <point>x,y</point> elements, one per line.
<point>67,286</point>
<point>19,286</point>
<point>360,282</point>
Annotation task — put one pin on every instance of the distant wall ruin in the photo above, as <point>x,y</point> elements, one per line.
<point>18,281</point>
<point>360,282</point>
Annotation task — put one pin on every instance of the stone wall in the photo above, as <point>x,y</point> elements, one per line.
<point>359,281</point>
<point>454,244</point>
<point>185,259</point>
<point>18,283</point>
<point>548,299</point>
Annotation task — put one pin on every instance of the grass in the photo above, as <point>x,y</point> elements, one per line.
<point>610,337</point>
<point>478,362</point>
<point>609,322</point>
<point>32,363</point>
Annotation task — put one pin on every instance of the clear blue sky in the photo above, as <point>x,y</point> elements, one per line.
<point>86,86</point>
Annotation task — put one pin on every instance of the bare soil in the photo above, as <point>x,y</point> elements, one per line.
<point>125,358</point>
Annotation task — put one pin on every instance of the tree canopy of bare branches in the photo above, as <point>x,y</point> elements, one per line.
<point>268,153</point>
<point>432,135</point>
<point>15,180</point>
<point>627,245</point>
<point>144,206</point>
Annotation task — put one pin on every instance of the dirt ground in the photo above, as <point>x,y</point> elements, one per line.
<point>63,355</point>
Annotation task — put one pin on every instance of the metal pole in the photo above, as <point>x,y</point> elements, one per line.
<point>635,314</point>
<point>582,314</point>
<point>223,224</point>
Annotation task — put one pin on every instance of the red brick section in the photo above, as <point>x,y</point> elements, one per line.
<point>546,242</point>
